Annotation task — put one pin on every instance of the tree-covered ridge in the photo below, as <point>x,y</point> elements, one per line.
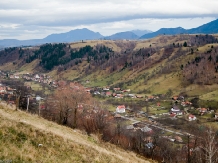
<point>92,53</point>
<point>52,55</point>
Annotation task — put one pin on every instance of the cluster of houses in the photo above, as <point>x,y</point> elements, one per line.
<point>115,92</point>
<point>41,78</point>
<point>180,108</point>
<point>176,111</point>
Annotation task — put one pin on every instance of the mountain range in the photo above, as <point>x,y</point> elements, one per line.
<point>86,34</point>
<point>209,28</point>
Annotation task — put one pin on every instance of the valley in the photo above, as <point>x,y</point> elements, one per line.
<point>163,88</point>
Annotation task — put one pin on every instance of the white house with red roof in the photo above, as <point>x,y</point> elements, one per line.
<point>191,117</point>
<point>121,109</point>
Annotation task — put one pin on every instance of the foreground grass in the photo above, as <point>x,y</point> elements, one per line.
<point>21,134</point>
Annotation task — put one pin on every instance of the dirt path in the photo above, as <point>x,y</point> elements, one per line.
<point>65,132</point>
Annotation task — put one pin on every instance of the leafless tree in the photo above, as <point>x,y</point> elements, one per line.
<point>210,146</point>
<point>63,104</point>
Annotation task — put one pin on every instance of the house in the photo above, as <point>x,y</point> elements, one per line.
<point>131,95</point>
<point>181,98</point>
<point>88,90</point>
<point>149,145</point>
<point>146,129</point>
<point>178,139</point>
<point>97,93</point>
<point>216,116</point>
<point>62,83</point>
<point>183,103</point>
<point>176,110</point>
<point>121,109</point>
<point>186,103</point>
<point>119,96</point>
<point>117,116</point>
<point>138,96</point>
<point>108,94</point>
<point>2,90</point>
<point>16,76</point>
<point>106,89</point>
<point>80,107</point>
<point>130,127</point>
<point>203,111</point>
<point>116,89</point>
<point>37,76</point>
<point>172,115</point>
<point>127,90</point>
<point>42,107</point>
<point>175,98</point>
<point>191,117</point>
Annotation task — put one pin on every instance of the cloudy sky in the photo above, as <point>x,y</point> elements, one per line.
<point>28,19</point>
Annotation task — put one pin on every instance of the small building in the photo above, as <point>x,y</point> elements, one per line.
<point>119,96</point>
<point>149,145</point>
<point>130,127</point>
<point>37,76</point>
<point>191,117</point>
<point>146,129</point>
<point>121,109</point>
<point>175,110</point>
<point>116,89</point>
<point>2,89</point>
<point>203,111</point>
<point>178,139</point>
<point>106,89</point>
<point>108,94</point>
<point>117,116</point>
<point>97,93</point>
<point>175,98</point>
<point>16,76</point>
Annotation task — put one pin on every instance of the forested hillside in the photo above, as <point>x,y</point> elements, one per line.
<point>142,66</point>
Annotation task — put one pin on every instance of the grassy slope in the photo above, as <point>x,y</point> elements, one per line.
<point>108,43</point>
<point>21,133</point>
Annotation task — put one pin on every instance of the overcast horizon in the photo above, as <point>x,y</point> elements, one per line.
<point>30,20</point>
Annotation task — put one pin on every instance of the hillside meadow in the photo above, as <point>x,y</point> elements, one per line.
<point>29,138</point>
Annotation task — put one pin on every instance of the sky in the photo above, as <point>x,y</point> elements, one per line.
<point>31,19</point>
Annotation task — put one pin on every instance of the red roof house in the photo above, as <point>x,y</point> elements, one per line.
<point>121,109</point>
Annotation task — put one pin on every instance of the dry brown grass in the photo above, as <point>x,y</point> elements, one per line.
<point>21,133</point>
<point>108,43</point>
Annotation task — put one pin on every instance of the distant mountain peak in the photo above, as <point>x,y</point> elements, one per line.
<point>141,32</point>
<point>122,35</point>
<point>74,35</point>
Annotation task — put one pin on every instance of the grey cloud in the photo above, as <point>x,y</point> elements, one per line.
<point>51,15</point>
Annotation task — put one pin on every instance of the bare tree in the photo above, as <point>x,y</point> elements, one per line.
<point>209,145</point>
<point>63,104</point>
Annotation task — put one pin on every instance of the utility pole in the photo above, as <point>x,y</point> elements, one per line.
<point>18,93</point>
<point>39,108</point>
<point>189,159</point>
<point>27,106</point>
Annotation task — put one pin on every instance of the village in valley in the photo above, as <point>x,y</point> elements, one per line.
<point>147,113</point>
